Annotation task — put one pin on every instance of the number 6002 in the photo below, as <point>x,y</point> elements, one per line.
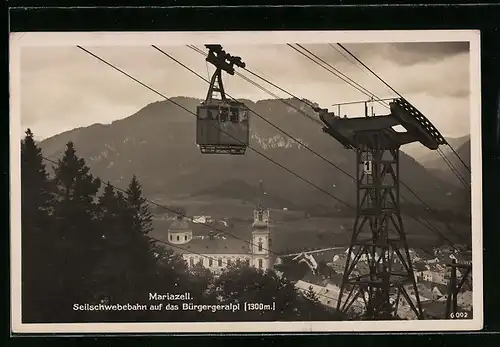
<point>458,315</point>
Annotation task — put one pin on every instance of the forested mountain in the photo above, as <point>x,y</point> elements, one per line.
<point>158,145</point>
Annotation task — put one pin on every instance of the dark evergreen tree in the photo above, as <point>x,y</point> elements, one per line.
<point>108,204</point>
<point>311,295</point>
<point>34,177</point>
<point>200,281</point>
<point>36,233</point>
<point>174,277</point>
<point>132,266</point>
<point>107,274</point>
<point>292,269</point>
<point>324,270</point>
<point>80,241</point>
<point>129,267</point>
<point>143,217</point>
<point>311,303</point>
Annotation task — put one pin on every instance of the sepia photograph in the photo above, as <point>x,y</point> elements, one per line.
<point>232,182</point>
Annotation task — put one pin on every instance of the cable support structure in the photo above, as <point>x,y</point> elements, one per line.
<point>371,95</point>
<point>365,91</point>
<point>391,88</point>
<point>187,110</point>
<point>432,227</point>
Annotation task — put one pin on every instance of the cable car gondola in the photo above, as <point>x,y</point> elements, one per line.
<point>222,124</point>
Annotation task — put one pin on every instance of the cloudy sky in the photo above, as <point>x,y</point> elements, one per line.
<point>63,87</point>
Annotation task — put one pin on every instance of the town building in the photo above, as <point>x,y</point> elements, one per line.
<point>217,251</point>
<point>432,272</point>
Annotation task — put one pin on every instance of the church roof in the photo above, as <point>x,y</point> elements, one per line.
<point>179,225</point>
<point>229,245</point>
<point>327,255</point>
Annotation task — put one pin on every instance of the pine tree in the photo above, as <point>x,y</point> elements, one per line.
<point>34,177</point>
<point>112,274</point>
<point>312,302</point>
<point>128,268</point>
<point>131,266</point>
<point>102,278</point>
<point>115,215</point>
<point>36,236</point>
<point>80,242</point>
<point>159,269</point>
<point>108,203</point>
<point>143,217</point>
<point>311,295</point>
<point>142,221</point>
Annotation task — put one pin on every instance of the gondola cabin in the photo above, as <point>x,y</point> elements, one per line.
<point>222,127</point>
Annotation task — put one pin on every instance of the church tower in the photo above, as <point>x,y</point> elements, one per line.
<point>261,239</point>
<point>261,246</point>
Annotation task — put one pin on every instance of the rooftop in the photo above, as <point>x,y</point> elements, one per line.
<point>309,277</point>
<point>334,279</point>
<point>420,266</point>
<point>229,245</point>
<point>179,225</point>
<point>327,255</point>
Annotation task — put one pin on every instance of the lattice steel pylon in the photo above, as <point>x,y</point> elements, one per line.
<point>378,234</point>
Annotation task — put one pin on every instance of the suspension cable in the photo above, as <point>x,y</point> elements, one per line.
<point>194,114</point>
<point>258,115</point>
<point>372,94</point>
<point>391,88</point>
<point>430,225</point>
<point>201,77</point>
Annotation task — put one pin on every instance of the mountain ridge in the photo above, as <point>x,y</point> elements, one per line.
<point>455,143</point>
<point>456,160</point>
<point>157,143</point>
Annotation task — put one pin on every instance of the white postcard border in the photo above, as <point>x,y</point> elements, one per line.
<point>19,40</point>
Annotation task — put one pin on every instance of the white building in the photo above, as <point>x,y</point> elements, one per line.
<point>217,252</point>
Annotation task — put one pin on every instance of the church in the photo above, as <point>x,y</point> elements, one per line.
<point>216,251</point>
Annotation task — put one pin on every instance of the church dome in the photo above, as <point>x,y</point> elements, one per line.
<point>179,224</point>
<point>179,231</point>
<point>260,219</point>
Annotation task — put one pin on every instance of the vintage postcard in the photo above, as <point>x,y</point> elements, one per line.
<point>232,182</point>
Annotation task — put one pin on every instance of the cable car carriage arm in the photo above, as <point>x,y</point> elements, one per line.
<point>222,124</point>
